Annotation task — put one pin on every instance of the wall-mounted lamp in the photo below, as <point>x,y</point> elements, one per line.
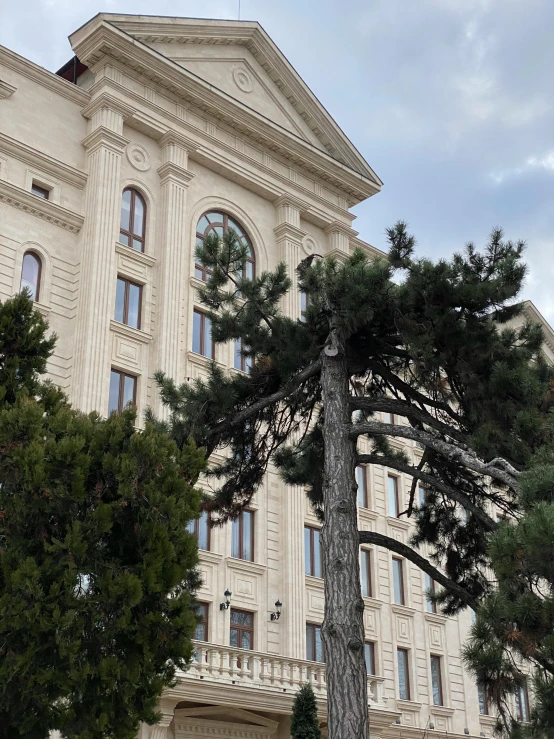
<point>225,606</point>
<point>277,614</point>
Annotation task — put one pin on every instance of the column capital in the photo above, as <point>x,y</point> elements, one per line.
<point>105,100</point>
<point>288,231</point>
<point>171,172</point>
<point>338,237</point>
<point>174,137</point>
<point>167,709</point>
<point>289,208</point>
<point>103,136</point>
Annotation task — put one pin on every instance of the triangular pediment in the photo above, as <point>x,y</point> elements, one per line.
<point>239,59</point>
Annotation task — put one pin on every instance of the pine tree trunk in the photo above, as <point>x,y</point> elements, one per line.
<point>342,631</point>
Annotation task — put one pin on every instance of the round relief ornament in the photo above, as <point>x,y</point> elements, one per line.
<point>309,245</point>
<point>138,157</point>
<point>243,79</point>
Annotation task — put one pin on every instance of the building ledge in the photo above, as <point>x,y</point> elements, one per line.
<point>435,618</point>
<point>130,333</point>
<point>137,256</point>
<point>41,208</point>
<point>441,710</point>
<point>212,557</point>
<point>245,565</point>
<point>403,610</point>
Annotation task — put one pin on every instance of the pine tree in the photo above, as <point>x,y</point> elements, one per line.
<point>304,722</point>
<point>428,342</point>
<point>97,569</point>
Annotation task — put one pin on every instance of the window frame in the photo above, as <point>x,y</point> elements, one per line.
<point>239,521</point>
<point>406,656</point>
<point>366,553</point>
<point>30,253</point>
<point>196,530</point>
<point>128,284</point>
<point>203,319</point>
<point>365,496</point>
<point>438,662</point>
<point>482,700</point>
<point>311,629</point>
<point>242,629</point>
<point>312,568</point>
<point>43,192</point>
<point>224,223</point>
<point>129,234</point>
<point>371,650</point>
<point>401,581</point>
<point>522,691</point>
<point>396,495</point>
<point>122,375</point>
<point>430,584</point>
<point>205,621</point>
<point>391,418</point>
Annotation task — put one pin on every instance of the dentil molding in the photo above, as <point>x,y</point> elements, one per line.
<point>44,209</point>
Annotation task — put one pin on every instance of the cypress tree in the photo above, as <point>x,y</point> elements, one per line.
<point>97,569</point>
<point>304,722</point>
<point>432,344</point>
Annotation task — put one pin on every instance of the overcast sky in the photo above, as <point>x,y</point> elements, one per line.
<point>450,102</point>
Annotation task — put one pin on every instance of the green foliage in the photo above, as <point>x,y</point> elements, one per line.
<point>304,722</point>
<point>515,623</point>
<point>97,569</point>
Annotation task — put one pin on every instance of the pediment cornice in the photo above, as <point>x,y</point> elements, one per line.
<point>99,41</point>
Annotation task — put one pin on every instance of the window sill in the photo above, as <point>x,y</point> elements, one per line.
<point>204,555</point>
<point>315,582</point>
<point>246,566</point>
<point>130,333</point>
<point>441,710</point>
<point>435,618</point>
<point>487,720</point>
<point>408,705</point>
<point>139,256</point>
<point>371,602</point>
<point>203,361</point>
<point>368,513</point>
<point>404,610</point>
<point>398,523</point>
<point>43,309</point>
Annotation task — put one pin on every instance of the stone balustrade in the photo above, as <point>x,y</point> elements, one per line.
<point>266,671</point>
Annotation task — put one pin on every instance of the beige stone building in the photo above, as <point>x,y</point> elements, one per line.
<point>159,130</point>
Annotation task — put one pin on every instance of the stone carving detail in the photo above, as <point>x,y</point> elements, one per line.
<point>309,244</point>
<point>138,157</point>
<point>243,79</point>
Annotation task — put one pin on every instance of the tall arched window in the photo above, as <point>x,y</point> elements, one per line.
<point>133,219</point>
<point>218,223</point>
<point>30,274</point>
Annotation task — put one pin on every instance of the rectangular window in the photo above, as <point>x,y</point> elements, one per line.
<point>522,703</point>
<point>389,418</point>
<point>436,680</point>
<point>421,495</point>
<point>242,629</point>
<point>392,483</point>
<point>314,645</point>
<point>483,702</point>
<point>398,581</point>
<point>123,391</point>
<point>430,605</point>
<point>201,633</point>
<point>403,674</point>
<point>312,552</point>
<point>128,302</point>
<point>369,656</point>
<point>242,363</point>
<point>303,305</point>
<point>365,572</point>
<point>242,539</point>
<point>202,335</point>
<point>200,527</point>
<point>40,192</point>
<point>361,481</point>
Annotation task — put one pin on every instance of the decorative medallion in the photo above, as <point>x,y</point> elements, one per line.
<point>243,79</point>
<point>309,245</point>
<point>138,157</point>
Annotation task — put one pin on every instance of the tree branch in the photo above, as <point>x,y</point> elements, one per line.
<point>380,540</point>
<point>488,523</point>
<point>281,394</point>
<point>507,475</point>
<point>390,405</point>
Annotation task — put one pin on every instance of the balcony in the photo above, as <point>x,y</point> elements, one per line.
<point>222,665</point>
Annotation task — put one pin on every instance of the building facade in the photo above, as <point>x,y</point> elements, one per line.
<point>157,132</point>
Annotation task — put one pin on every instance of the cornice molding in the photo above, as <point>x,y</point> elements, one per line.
<point>130,333</point>
<point>290,232</point>
<point>531,312</point>
<point>103,136</point>
<point>43,77</point>
<point>105,100</point>
<point>48,164</point>
<point>243,565</point>
<point>105,39</point>
<point>175,137</point>
<point>171,172</point>
<point>6,90</point>
<point>43,209</point>
<point>341,228</point>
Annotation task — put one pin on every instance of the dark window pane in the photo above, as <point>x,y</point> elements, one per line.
<point>483,708</point>
<point>317,553</point>
<point>238,355</point>
<point>246,642</point>
<point>124,239</point>
<point>393,496</point>
<point>421,495</point>
<point>203,224</point>
<point>234,638</point>
<point>361,482</point>
<point>198,273</point>
<point>133,317</point>
<point>235,539</point>
<point>249,270</point>
<point>369,656</point>
<point>196,331</point>
<point>128,390</point>
<point>113,403</point>
<point>365,573</point>
<point>247,535</point>
<point>241,618</point>
<point>429,585</point>
<point>201,633</point>
<point>397,581</point>
<point>436,680</point>
<point>208,346</point>
<point>137,245</point>
<point>40,192</point>
<point>119,300</point>
<point>307,552</point>
<point>403,679</point>
<point>125,221</point>
<point>30,275</point>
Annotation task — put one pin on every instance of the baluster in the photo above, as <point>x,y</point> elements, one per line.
<point>256,668</point>
<point>265,675</point>
<point>371,690</point>
<point>225,663</point>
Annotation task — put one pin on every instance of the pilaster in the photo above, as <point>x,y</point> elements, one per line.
<point>338,238</point>
<point>104,146</point>
<point>162,729</point>
<point>294,641</point>
<point>174,250</point>
<point>289,237</point>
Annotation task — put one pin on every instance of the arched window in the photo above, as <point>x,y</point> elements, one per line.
<point>133,219</point>
<point>219,223</point>
<point>30,274</point>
